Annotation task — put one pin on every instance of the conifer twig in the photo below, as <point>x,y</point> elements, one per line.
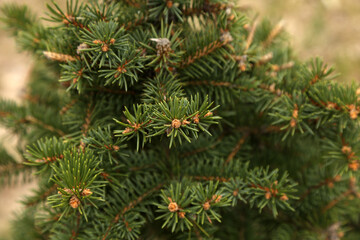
<point>59,56</point>
<point>251,35</point>
<point>34,120</point>
<point>67,107</point>
<point>128,207</point>
<point>274,32</point>
<point>43,196</point>
<point>11,166</point>
<point>203,149</point>
<point>86,125</point>
<point>215,84</point>
<point>237,148</point>
<point>203,52</point>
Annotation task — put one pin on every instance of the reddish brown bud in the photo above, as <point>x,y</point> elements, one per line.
<point>292,122</point>
<point>181,214</point>
<point>353,111</point>
<point>176,123</point>
<point>235,193</point>
<point>337,178</point>
<point>112,41</point>
<point>354,165</point>
<point>242,67</point>
<point>105,48</point>
<point>196,118</point>
<point>295,113</point>
<point>74,202</point>
<point>173,207</point>
<point>185,122</point>
<point>346,150</point>
<point>97,41</point>
<point>169,4</point>
<point>231,17</point>
<point>284,197</point>
<point>127,130</point>
<point>268,195</point>
<point>86,192</point>
<point>206,206</point>
<point>208,114</point>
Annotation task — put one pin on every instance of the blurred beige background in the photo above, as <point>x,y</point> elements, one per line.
<point>327,28</point>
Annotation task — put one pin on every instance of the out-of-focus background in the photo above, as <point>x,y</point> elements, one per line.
<point>326,28</point>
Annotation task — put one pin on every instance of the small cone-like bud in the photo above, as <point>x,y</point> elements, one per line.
<point>206,206</point>
<point>74,202</point>
<point>86,192</point>
<point>208,114</point>
<point>268,195</point>
<point>176,123</point>
<point>173,207</point>
<point>346,150</point>
<point>181,214</point>
<point>284,197</point>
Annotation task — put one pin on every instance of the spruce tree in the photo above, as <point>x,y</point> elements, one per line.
<point>178,119</point>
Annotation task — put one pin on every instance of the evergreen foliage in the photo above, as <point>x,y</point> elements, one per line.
<point>178,119</point>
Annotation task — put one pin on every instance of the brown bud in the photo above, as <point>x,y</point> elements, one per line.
<point>176,123</point>
<point>235,193</point>
<point>272,88</point>
<point>346,150</point>
<point>116,148</point>
<point>105,48</point>
<point>218,199</point>
<point>97,41</point>
<point>353,114</point>
<point>74,202</point>
<point>127,130</point>
<point>242,67</point>
<point>337,178</point>
<point>268,195</point>
<point>293,122</point>
<point>330,184</point>
<point>231,17</point>
<point>353,111</point>
<point>331,105</point>
<point>173,207</point>
<point>196,118</point>
<point>295,113</point>
<point>354,166</point>
<point>66,190</point>
<point>284,197</point>
<point>169,4</point>
<point>86,192</point>
<point>208,114</point>
<point>112,41</point>
<point>181,214</point>
<point>185,122</point>
<point>206,206</point>
<point>275,67</point>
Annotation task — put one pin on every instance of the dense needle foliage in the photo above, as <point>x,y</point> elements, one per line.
<point>178,119</point>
